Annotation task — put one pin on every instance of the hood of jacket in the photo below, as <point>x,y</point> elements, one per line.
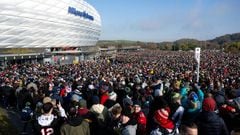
<point>75,121</point>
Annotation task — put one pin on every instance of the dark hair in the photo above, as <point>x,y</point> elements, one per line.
<point>47,107</point>
<point>183,129</point>
<point>127,112</point>
<point>116,110</point>
<point>72,111</point>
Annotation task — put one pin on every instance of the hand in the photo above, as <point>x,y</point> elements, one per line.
<point>59,105</point>
<point>233,110</point>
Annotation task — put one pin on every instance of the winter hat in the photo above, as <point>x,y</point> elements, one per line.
<point>91,86</point>
<point>193,96</point>
<point>112,96</point>
<point>83,103</point>
<point>75,97</point>
<point>161,114</point>
<point>176,96</point>
<point>127,90</point>
<point>209,104</point>
<point>127,102</point>
<point>95,100</point>
<point>137,103</point>
<point>161,117</point>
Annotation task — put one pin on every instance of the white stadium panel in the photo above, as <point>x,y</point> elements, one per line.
<point>48,23</point>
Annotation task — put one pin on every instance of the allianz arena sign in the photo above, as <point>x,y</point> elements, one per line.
<point>48,23</point>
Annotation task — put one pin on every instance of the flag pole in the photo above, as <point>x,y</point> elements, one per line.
<point>197,58</point>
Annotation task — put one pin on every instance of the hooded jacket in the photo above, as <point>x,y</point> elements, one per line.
<point>75,126</point>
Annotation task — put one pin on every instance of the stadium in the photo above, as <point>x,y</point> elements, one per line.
<point>48,24</point>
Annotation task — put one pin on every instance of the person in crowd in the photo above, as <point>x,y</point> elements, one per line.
<point>114,120</point>
<point>140,117</point>
<point>26,116</point>
<point>165,124</point>
<point>82,109</point>
<point>104,95</point>
<point>75,124</point>
<point>209,123</point>
<point>128,124</point>
<point>48,123</point>
<point>193,108</point>
<point>178,110</point>
<point>150,76</point>
<point>98,117</point>
<point>189,129</point>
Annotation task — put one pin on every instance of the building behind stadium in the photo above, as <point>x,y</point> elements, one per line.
<point>63,31</point>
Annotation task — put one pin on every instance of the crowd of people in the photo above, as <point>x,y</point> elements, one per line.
<point>137,93</point>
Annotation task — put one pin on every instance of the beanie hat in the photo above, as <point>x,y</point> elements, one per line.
<point>112,96</point>
<point>161,117</point>
<point>176,96</point>
<point>127,102</point>
<point>95,100</point>
<point>161,114</point>
<point>91,87</point>
<point>83,103</point>
<point>137,102</point>
<point>193,96</point>
<point>209,104</point>
<point>75,97</point>
<point>127,90</point>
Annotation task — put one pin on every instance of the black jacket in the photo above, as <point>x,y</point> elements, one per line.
<point>209,123</point>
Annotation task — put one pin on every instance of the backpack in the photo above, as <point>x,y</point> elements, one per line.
<point>26,114</point>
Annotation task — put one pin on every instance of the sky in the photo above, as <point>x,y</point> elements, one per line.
<point>167,20</point>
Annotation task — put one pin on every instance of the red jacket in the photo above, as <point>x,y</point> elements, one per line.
<point>141,121</point>
<point>104,98</point>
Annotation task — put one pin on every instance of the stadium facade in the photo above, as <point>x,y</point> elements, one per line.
<point>48,24</point>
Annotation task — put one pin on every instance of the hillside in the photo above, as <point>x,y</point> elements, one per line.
<point>229,38</point>
<point>224,41</point>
